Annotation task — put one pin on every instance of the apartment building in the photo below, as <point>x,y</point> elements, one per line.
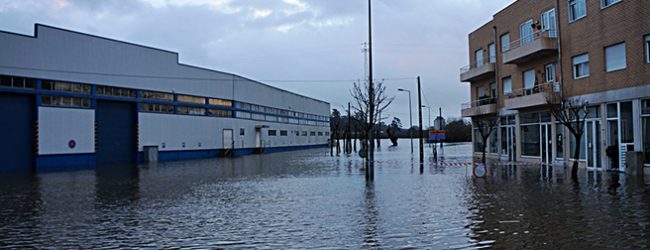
<point>595,51</point>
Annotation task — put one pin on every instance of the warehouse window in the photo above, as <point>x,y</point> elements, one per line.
<point>190,110</point>
<point>257,108</point>
<point>272,133</point>
<point>615,58</point>
<point>113,91</point>
<point>242,131</point>
<point>580,66</point>
<point>312,133</point>
<point>607,3</point>
<point>271,110</point>
<point>577,9</point>
<point>17,82</point>
<point>221,102</point>
<point>304,133</point>
<point>66,87</point>
<point>65,101</point>
<point>327,133</point>
<point>219,113</point>
<point>242,105</point>
<point>283,133</point>
<point>271,118</point>
<point>320,133</point>
<point>243,115</point>
<point>190,99</point>
<point>258,117</point>
<point>156,96</point>
<point>156,108</point>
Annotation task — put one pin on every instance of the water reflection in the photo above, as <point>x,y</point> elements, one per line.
<point>308,199</point>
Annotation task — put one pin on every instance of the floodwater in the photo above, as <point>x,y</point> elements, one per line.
<point>308,199</point>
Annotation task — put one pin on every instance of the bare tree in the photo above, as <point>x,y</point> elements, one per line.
<point>570,112</point>
<point>486,126</point>
<point>379,102</point>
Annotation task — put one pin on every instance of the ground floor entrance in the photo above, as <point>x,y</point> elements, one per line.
<point>593,144</point>
<point>17,132</point>
<point>116,132</point>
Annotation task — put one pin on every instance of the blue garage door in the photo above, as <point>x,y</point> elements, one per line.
<point>116,132</point>
<point>17,132</point>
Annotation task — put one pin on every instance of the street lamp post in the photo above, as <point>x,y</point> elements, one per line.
<point>425,106</point>
<point>410,117</point>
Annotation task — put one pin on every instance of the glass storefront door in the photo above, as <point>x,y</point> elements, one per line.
<point>592,144</point>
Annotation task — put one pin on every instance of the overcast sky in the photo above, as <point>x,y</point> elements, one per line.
<point>312,47</point>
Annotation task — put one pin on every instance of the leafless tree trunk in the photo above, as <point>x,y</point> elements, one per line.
<point>486,127</point>
<point>379,102</point>
<point>570,112</point>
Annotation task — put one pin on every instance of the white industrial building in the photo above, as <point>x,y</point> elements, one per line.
<point>73,99</point>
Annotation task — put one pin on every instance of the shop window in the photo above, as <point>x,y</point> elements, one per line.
<point>494,142</point>
<point>627,130</point>
<point>572,142</point>
<point>530,140</point>
<point>559,140</point>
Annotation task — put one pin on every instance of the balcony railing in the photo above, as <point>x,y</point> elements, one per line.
<point>479,102</point>
<point>482,106</point>
<point>476,71</point>
<point>532,46</point>
<point>476,65</point>
<point>539,95</point>
<point>548,87</point>
<point>531,38</point>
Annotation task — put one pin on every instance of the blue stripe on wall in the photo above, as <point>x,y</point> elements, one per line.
<point>45,163</point>
<point>65,162</point>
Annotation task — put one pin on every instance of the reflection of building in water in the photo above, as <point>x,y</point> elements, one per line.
<point>76,99</point>
<point>533,50</point>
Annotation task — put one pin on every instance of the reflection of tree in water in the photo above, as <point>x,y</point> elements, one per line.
<point>529,207</point>
<point>371,215</point>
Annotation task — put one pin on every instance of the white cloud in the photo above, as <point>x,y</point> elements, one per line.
<point>261,13</point>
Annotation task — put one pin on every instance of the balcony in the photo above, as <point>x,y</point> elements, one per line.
<point>539,44</point>
<point>539,95</point>
<point>483,106</point>
<point>475,72</point>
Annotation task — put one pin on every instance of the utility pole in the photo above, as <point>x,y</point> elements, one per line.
<point>348,142</point>
<point>420,130</point>
<point>441,127</point>
<point>371,101</point>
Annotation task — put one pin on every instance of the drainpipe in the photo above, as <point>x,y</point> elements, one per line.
<point>497,47</point>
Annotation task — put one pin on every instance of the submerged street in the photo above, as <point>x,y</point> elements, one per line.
<point>309,199</point>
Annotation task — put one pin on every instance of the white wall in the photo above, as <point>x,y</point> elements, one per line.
<point>174,130</point>
<point>57,126</point>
